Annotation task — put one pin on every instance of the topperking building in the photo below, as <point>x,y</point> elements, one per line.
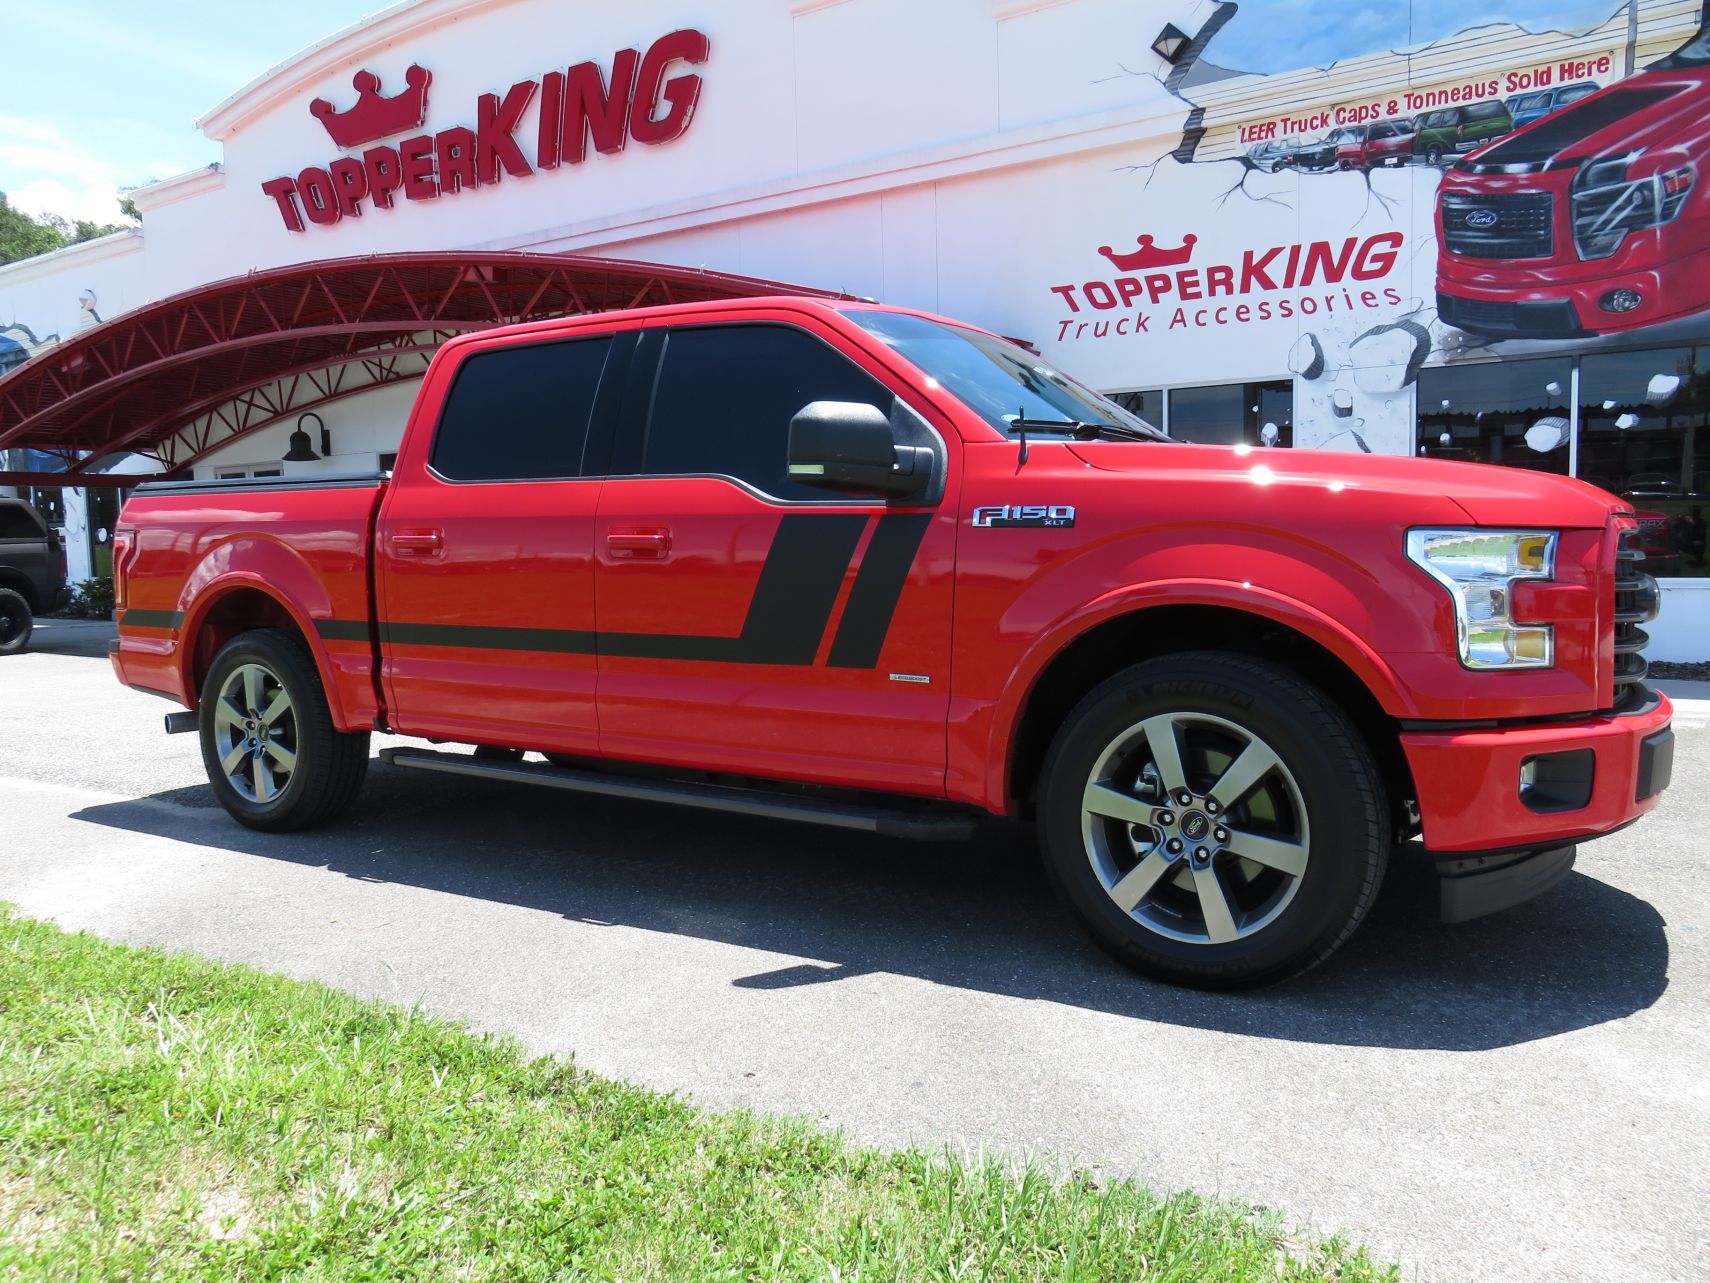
<point>1491,245</point>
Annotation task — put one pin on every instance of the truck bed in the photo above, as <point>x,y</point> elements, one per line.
<point>178,539</point>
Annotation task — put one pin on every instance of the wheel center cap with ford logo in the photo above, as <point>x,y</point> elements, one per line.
<point>1195,825</point>
<point>1483,218</point>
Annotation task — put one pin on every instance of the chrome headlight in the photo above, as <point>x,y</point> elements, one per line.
<point>1480,569</point>
<point>1608,203</point>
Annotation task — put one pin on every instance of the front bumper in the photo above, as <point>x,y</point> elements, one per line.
<point>1509,314</point>
<point>1468,780</point>
<point>1473,886</point>
<point>1563,297</point>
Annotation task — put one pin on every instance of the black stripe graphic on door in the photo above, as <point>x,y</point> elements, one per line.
<point>878,586</point>
<point>787,616</point>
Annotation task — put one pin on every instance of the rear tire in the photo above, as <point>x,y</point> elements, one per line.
<point>1213,820</point>
<point>273,755</point>
<point>16,622</point>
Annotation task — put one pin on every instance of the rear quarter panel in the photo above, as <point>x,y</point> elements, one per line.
<point>306,549</point>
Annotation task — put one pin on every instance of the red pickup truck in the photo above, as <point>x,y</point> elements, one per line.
<point>870,568</point>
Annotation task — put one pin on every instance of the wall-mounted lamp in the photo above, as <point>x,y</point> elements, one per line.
<point>301,450</point>
<point>1171,44</point>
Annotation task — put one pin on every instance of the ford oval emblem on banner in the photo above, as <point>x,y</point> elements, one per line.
<point>1483,218</point>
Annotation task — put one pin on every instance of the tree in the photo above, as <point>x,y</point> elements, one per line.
<point>24,237</point>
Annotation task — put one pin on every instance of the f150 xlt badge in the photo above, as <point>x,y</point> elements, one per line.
<point>1015,516</point>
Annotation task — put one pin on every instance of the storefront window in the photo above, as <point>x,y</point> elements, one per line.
<point>1645,435</point>
<point>50,502</point>
<point>1510,412</point>
<point>1149,405</point>
<point>1234,414</point>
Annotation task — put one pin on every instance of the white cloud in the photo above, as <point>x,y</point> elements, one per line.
<point>98,203</point>
<point>44,172</point>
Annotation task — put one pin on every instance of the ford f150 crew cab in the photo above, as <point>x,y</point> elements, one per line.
<point>870,568</point>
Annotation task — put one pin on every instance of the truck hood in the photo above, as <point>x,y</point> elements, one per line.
<point>1657,108</point>
<point>1489,495</point>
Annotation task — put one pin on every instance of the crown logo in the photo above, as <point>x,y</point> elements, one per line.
<point>373,116</point>
<point>1149,255</point>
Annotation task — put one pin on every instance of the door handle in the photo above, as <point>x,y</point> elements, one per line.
<point>628,542</point>
<point>417,543</point>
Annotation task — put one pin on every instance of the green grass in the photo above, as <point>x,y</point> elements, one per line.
<point>164,1117</point>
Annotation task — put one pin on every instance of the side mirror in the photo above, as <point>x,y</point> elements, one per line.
<point>849,445</point>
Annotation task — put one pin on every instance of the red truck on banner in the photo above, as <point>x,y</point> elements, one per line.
<point>1589,221</point>
<point>868,568</point>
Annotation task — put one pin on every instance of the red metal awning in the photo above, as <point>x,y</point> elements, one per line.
<point>184,377</point>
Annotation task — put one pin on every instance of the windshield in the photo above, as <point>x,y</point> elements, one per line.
<point>993,377</point>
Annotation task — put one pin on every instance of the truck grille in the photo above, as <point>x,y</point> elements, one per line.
<point>1514,224</point>
<point>1637,600</point>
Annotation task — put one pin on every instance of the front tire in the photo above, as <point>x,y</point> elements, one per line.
<point>1213,820</point>
<point>275,760</point>
<point>16,622</point>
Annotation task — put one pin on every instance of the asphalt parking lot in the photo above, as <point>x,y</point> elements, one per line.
<point>1518,1098</point>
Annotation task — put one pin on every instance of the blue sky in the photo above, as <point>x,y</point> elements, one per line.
<point>1281,35</point>
<point>99,94</point>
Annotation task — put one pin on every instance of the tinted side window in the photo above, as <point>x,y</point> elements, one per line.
<point>726,395</point>
<point>18,522</point>
<point>1486,110</point>
<point>521,413</point>
<point>1438,119</point>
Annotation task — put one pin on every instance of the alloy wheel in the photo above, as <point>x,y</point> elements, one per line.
<point>1196,828</point>
<point>255,733</point>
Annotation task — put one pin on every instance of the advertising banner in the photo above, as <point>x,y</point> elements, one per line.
<point>1350,218</point>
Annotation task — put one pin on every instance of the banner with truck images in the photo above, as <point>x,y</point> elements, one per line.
<point>1492,188</point>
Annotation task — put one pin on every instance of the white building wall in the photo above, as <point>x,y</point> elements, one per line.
<point>362,427</point>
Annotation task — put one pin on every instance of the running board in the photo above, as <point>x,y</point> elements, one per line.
<point>922,826</point>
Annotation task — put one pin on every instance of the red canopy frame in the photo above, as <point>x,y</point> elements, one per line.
<point>185,377</point>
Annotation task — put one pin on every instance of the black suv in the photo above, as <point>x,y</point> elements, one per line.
<point>32,573</point>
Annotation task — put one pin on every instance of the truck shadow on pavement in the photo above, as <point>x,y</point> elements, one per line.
<point>977,915</point>
<point>80,638</point>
